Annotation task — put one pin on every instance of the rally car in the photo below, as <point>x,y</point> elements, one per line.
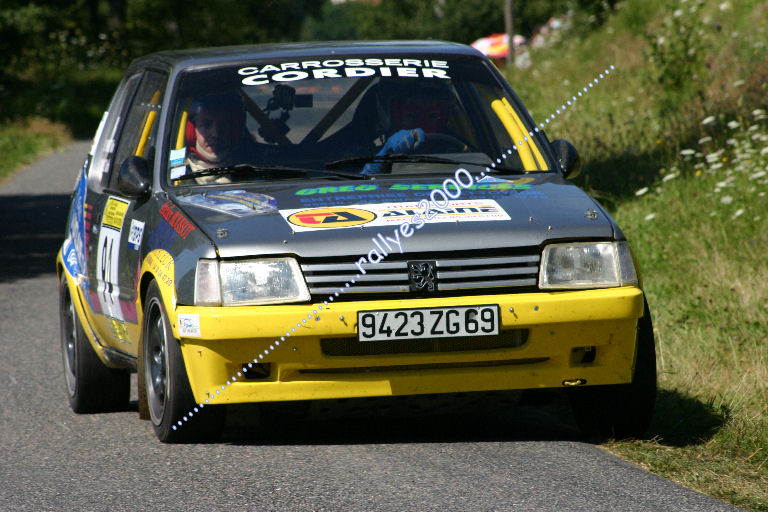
<point>317,221</point>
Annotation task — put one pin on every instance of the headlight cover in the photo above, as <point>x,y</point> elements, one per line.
<point>586,265</point>
<point>249,282</point>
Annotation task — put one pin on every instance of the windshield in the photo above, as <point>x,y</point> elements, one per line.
<point>356,115</point>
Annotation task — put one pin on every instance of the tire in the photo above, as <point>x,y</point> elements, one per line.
<point>625,410</point>
<point>169,398</point>
<point>91,386</point>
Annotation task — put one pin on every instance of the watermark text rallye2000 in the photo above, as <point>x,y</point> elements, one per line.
<point>313,221</point>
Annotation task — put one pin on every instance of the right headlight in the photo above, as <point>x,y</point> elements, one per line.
<point>584,265</point>
<point>249,282</point>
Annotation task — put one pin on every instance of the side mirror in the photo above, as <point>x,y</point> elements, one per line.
<point>567,157</point>
<point>134,179</point>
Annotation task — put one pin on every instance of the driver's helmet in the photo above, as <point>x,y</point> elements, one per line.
<point>406,104</point>
<point>230,103</point>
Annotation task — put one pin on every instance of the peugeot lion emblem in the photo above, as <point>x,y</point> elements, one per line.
<point>422,277</point>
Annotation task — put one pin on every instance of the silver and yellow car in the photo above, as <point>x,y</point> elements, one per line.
<point>320,221</point>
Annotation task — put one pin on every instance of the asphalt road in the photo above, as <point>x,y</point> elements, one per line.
<point>519,458</point>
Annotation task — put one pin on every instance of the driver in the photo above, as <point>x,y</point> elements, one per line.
<point>213,132</point>
<point>408,114</point>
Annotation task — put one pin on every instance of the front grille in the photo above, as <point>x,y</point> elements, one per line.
<point>510,338</point>
<point>454,271</point>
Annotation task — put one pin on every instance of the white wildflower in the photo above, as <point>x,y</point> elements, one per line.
<point>761,117</point>
<point>724,6</point>
<point>758,112</point>
<point>716,166</point>
<point>687,152</point>
<point>731,142</point>
<point>733,125</point>
<point>669,177</point>
<point>677,13</point>
<point>737,213</point>
<point>712,157</point>
<point>761,194</point>
<point>650,216</point>
<point>756,136</point>
<point>757,175</point>
<point>705,139</point>
<point>756,218</point>
<point>641,191</point>
<point>708,120</point>
<point>764,151</point>
<point>753,128</point>
<point>726,199</point>
<point>738,83</point>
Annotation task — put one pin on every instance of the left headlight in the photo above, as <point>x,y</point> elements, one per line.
<point>249,282</point>
<point>587,265</point>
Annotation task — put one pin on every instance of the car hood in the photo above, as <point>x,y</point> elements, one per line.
<point>326,218</point>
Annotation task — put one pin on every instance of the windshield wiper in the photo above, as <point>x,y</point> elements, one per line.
<point>425,159</point>
<point>286,172</point>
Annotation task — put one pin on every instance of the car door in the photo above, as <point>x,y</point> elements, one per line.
<point>116,249</point>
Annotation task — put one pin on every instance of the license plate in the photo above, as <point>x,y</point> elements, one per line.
<point>410,324</point>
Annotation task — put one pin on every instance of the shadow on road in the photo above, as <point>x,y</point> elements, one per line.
<point>679,420</point>
<point>396,420</point>
<point>31,232</point>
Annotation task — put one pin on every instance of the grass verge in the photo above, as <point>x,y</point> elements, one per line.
<point>22,142</point>
<point>675,144</point>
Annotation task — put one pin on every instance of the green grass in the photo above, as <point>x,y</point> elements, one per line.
<point>41,110</point>
<point>697,228</point>
<point>22,142</point>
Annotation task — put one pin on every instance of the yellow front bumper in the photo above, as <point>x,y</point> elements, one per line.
<point>559,325</point>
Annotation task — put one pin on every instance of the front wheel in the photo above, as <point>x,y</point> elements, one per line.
<point>169,400</point>
<point>91,386</point>
<point>624,410</point>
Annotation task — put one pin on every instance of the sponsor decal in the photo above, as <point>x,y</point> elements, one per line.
<point>189,325</point>
<point>136,234</point>
<point>161,265</point>
<point>239,203</point>
<point>517,184</point>
<point>177,156</point>
<point>386,214</point>
<point>336,190</point>
<point>118,329</point>
<point>107,265</point>
<point>114,213</point>
<point>74,245</point>
<point>161,237</point>
<point>338,217</point>
<point>176,220</point>
<point>340,68</point>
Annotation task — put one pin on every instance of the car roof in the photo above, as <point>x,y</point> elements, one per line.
<point>217,55</point>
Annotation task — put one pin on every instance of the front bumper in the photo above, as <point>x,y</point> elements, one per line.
<point>559,326</point>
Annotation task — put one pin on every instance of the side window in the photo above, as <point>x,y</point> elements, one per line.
<point>138,136</point>
<point>104,147</point>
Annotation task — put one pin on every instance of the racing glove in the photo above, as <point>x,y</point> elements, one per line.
<point>403,141</point>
